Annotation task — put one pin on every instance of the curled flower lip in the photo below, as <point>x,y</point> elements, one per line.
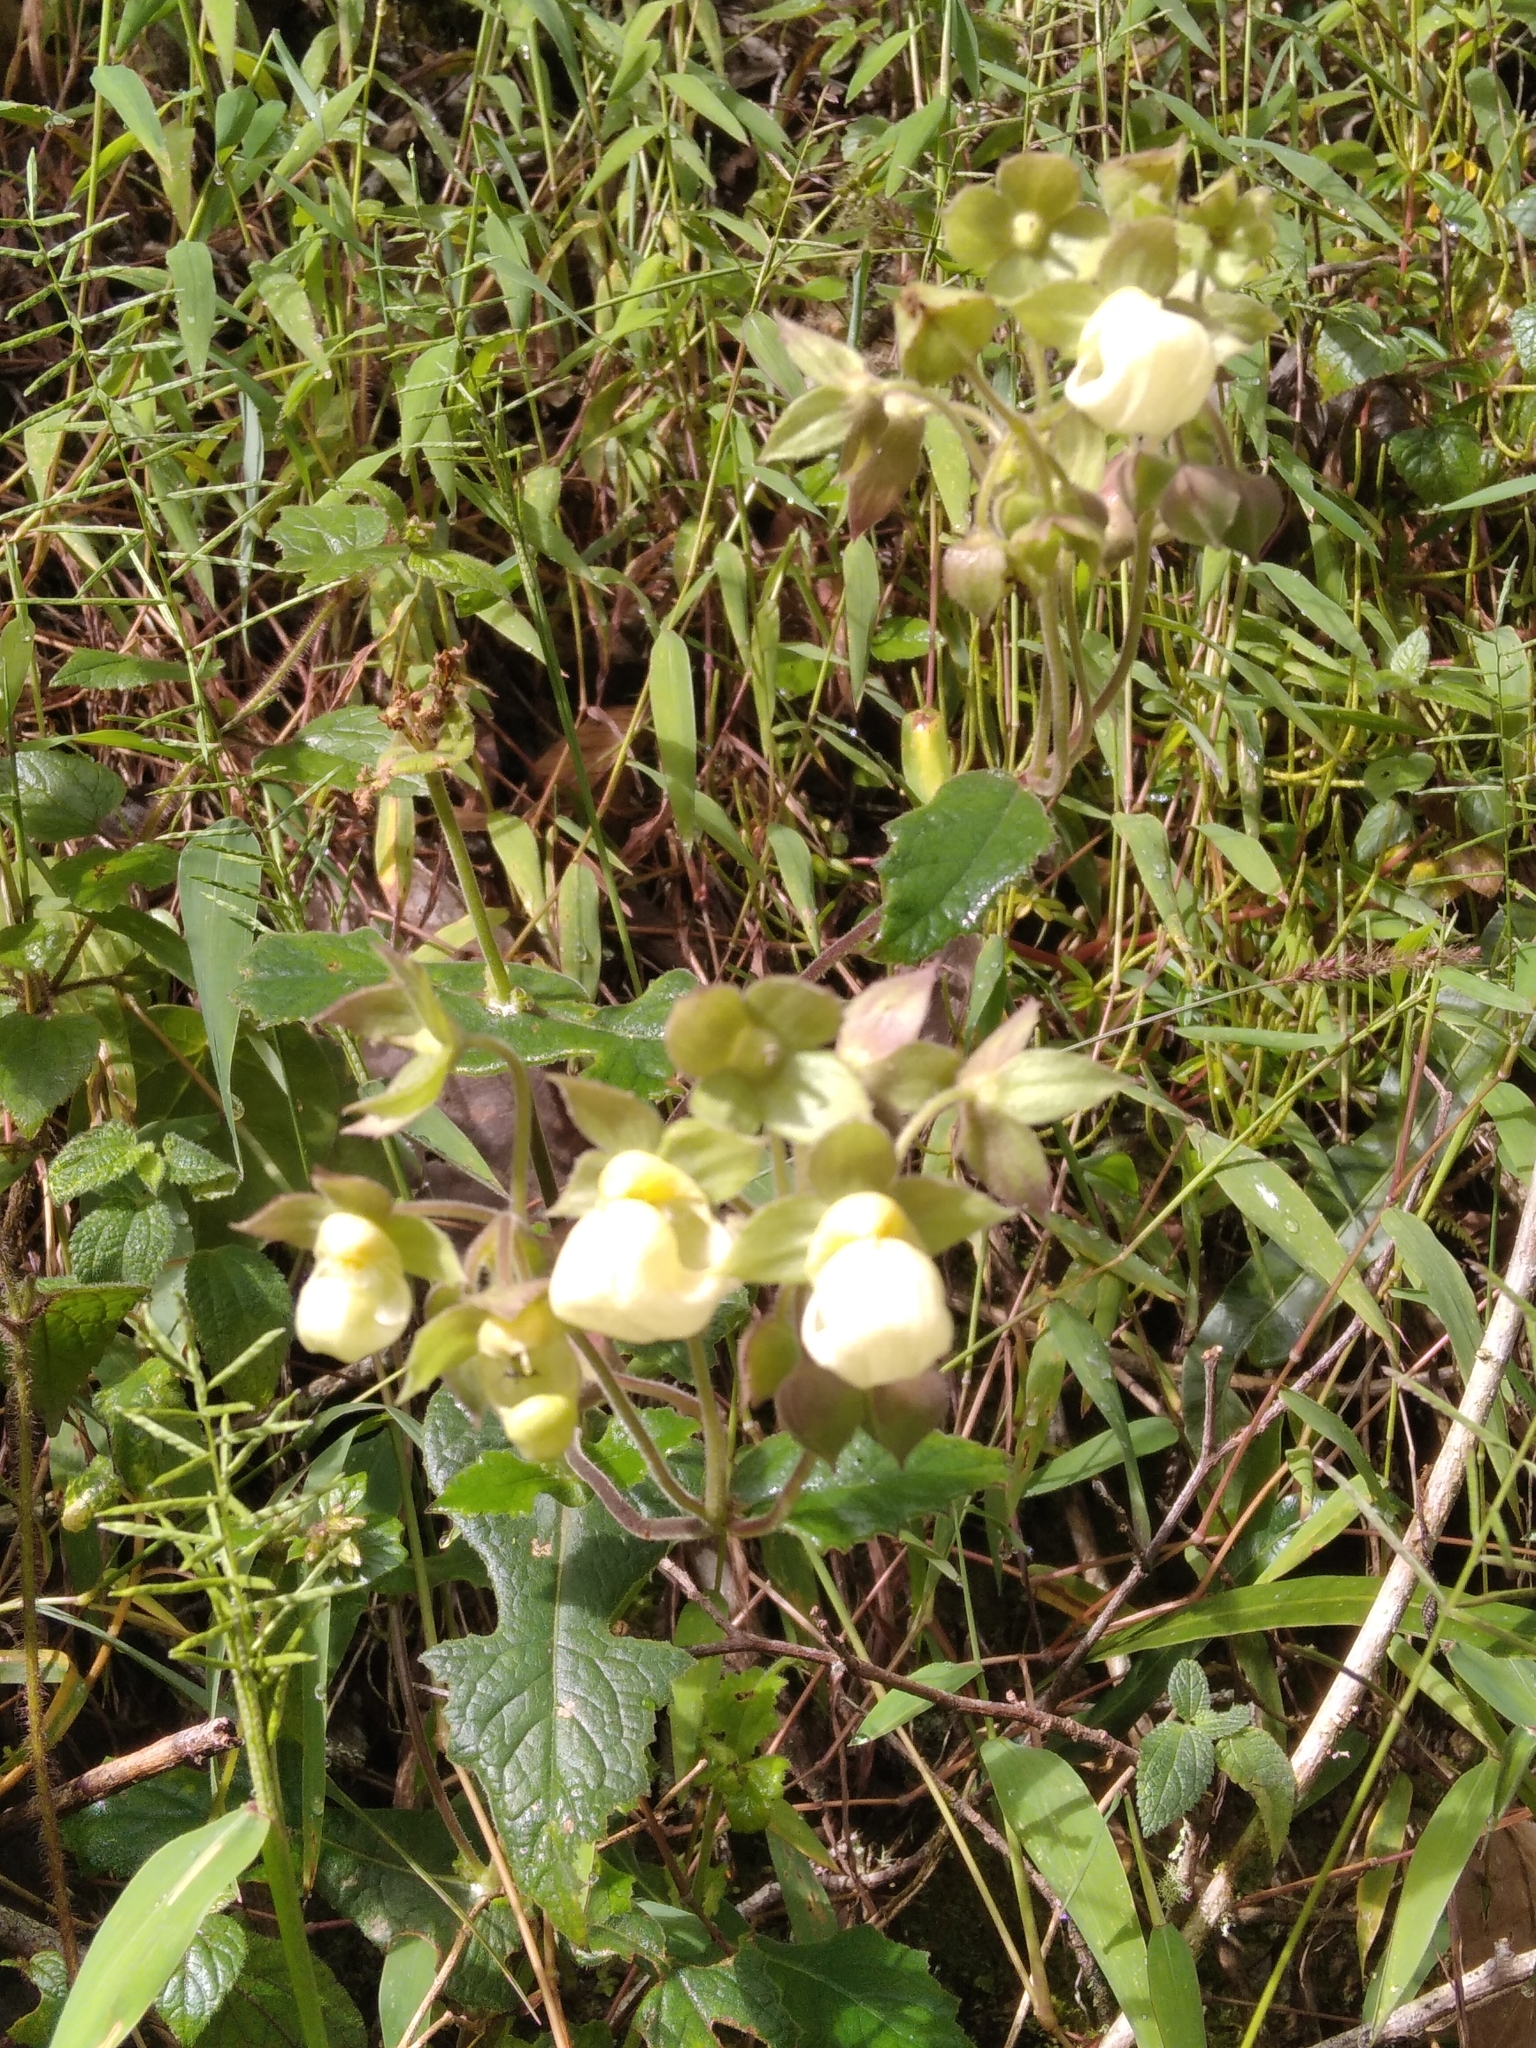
<point>357,1300</point>
<point>1141,369</point>
<point>877,1313</point>
<point>643,1265</point>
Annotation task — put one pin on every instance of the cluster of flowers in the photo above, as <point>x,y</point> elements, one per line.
<point>1138,291</point>
<point>783,1172</point>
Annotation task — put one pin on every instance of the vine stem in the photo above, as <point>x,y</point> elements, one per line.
<point>469,885</point>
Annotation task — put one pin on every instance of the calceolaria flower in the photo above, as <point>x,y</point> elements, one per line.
<point>643,1264</point>
<point>357,1299</point>
<point>877,1313</point>
<point>367,1247</point>
<point>506,1352</point>
<point>1141,369</point>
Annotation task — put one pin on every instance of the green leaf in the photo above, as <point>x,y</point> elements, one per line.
<point>1508,1684</point>
<point>1435,1272</point>
<point>197,300</point>
<point>1274,1204</point>
<point>96,1158</point>
<point>683,2010</point>
<point>898,1708</point>
<point>287,302</point>
<point>502,1483</point>
<point>1247,855</point>
<point>45,1970</point>
<point>1147,838</point>
<point>858,1990</point>
<point>260,2010</point>
<point>65,1344</point>
<point>1384,1837</point>
<point>1045,1084</point>
<point>1253,1759</point>
<point>128,96</point>
<point>869,1494</point>
<point>1440,462</point>
<point>1439,1857</point>
<point>220,875</point>
<point>1087,1354</point>
<point>1321,1602</point>
<point>951,858</point>
<point>622,1041</point>
<point>410,1969</point>
<point>1175,1985</point>
<point>1176,1765</point>
<point>1330,619</point>
<point>769,1249</point>
<point>396,1874</point>
<point>861,606</point>
<point>43,1060</point>
<point>107,668</point>
<point>205,1978</point>
<point>1149,1433</point>
<point>241,1308</point>
<point>1189,1691</point>
<point>291,977</point>
<point>1067,1839</point>
<point>53,793</point>
<point>578,926</point>
<point>554,1712</point>
<point>112,1837</point>
<point>150,1928</point>
<point>670,682</point>
<point>942,1212</point>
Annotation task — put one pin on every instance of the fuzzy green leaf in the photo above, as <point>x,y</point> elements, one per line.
<point>951,858</point>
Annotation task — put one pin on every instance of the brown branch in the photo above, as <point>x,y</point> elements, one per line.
<point>186,1746</point>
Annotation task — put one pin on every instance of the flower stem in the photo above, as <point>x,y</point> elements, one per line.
<point>469,885</point>
<point>629,1415</point>
<point>717,1457</point>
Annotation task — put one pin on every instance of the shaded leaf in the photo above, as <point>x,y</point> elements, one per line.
<point>951,858</point>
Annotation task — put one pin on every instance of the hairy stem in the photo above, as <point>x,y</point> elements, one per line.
<point>717,1456</point>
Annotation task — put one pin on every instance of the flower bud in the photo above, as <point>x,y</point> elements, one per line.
<point>525,1370</point>
<point>975,572</point>
<point>357,1300</point>
<point>540,1427</point>
<point>643,1264</point>
<point>926,760</point>
<point>877,1312</point>
<point>1141,369</point>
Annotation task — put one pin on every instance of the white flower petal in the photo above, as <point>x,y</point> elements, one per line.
<point>877,1313</point>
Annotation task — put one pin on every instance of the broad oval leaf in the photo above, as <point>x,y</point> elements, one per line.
<point>951,858</point>
<point>149,1930</point>
<point>54,793</point>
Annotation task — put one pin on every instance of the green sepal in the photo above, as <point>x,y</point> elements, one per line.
<point>819,1410</point>
<point>722,1162</point>
<point>769,1249</point>
<point>942,1212</point>
<point>801,1017</point>
<point>610,1118</point>
<point>442,1345</point>
<point>900,1416</point>
<point>850,1159</point>
<point>288,1219</point>
<point>425,1251</point>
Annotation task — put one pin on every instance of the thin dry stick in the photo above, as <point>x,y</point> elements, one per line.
<point>1402,1580</point>
<point>186,1746</point>
<point>1502,1972</point>
<point>549,1987</point>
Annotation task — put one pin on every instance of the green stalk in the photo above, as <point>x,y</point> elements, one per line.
<point>469,886</point>
<point>717,1457</point>
<point>629,1415</point>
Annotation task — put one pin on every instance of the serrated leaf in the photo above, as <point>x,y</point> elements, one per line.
<point>43,1060</point>
<point>95,1159</point>
<point>1189,1691</point>
<point>683,2010</point>
<point>260,2010</point>
<point>1067,1839</point>
<point>951,858</point>
<point>55,793</point>
<point>395,1873</point>
<point>1176,1765</point>
<point>65,1344</point>
<point>241,1308</point>
<point>859,1989</point>
<point>1253,1759</point>
<point>205,1978</point>
<point>45,1970</point>
<point>112,1837</point>
<point>868,1494</point>
<point>150,1928</point>
<point>554,1712</point>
